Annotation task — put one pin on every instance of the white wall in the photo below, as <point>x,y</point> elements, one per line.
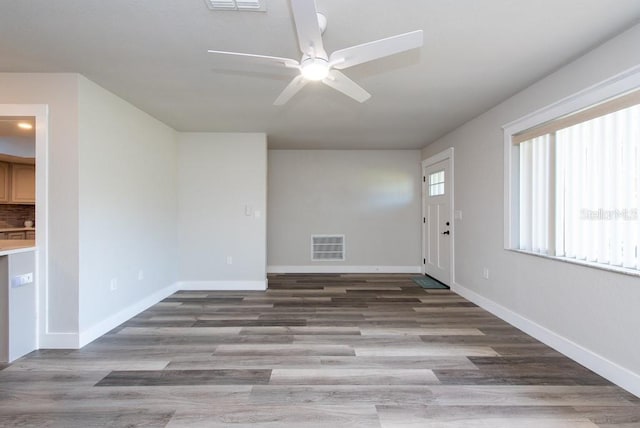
<point>371,196</point>
<point>60,93</point>
<point>220,177</point>
<point>18,146</point>
<point>594,309</point>
<point>127,205</point>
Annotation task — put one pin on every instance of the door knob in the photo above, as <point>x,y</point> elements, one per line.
<point>446,232</point>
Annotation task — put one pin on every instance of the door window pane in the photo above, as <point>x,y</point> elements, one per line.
<point>436,183</point>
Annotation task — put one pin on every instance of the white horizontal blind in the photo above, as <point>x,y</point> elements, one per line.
<point>598,180</point>
<point>534,194</point>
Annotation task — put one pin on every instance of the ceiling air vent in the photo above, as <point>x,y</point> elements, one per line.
<point>239,5</point>
<point>325,248</point>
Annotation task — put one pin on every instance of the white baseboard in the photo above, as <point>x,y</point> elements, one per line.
<point>223,285</point>
<point>76,341</point>
<point>92,333</point>
<point>344,269</point>
<point>58,341</point>
<point>608,369</point>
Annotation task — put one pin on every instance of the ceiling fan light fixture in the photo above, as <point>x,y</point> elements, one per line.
<point>314,69</point>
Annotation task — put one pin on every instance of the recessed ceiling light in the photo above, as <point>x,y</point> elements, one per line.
<point>238,5</point>
<point>25,125</point>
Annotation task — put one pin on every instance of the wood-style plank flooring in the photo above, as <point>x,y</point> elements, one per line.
<point>312,351</point>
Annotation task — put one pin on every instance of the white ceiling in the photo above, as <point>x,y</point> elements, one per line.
<point>153,54</point>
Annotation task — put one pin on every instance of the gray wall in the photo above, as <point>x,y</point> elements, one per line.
<point>18,146</point>
<point>371,196</point>
<point>22,304</point>
<point>127,202</point>
<point>221,176</point>
<point>596,310</point>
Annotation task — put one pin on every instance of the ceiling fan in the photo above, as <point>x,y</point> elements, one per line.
<point>316,65</point>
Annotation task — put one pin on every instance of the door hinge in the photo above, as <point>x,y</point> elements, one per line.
<point>424,261</point>
<point>424,179</point>
<point>424,219</point>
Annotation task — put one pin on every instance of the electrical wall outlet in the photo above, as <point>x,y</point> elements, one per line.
<point>20,280</point>
<point>229,260</point>
<point>140,275</point>
<point>485,273</point>
<point>113,284</point>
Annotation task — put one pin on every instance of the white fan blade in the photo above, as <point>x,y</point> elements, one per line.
<point>292,88</point>
<point>287,62</point>
<point>342,83</point>
<point>305,16</point>
<point>366,52</point>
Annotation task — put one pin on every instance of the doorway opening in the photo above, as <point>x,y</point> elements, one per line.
<point>29,165</point>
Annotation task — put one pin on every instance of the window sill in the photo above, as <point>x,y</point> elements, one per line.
<point>614,269</point>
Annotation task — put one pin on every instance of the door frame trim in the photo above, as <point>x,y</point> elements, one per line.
<point>443,155</point>
<point>41,114</point>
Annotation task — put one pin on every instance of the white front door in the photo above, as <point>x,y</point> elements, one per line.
<point>437,220</point>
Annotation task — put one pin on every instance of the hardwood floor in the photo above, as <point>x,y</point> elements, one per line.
<point>313,351</point>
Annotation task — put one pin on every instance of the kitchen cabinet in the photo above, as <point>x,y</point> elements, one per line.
<point>17,234</point>
<point>4,182</point>
<point>17,183</point>
<point>23,184</point>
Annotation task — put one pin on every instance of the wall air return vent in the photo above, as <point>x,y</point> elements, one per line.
<point>238,5</point>
<point>326,248</point>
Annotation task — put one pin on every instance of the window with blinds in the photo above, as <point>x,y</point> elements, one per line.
<point>579,181</point>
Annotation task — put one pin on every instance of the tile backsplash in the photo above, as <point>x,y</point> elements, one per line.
<point>15,215</point>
